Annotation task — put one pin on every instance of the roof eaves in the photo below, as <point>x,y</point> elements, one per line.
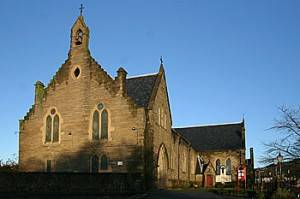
<point>208,125</point>
<point>143,75</point>
<point>184,138</point>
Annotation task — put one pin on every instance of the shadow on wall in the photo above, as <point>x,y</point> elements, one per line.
<point>72,173</point>
<point>121,158</point>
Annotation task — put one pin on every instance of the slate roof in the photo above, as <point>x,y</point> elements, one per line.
<point>140,88</point>
<point>214,137</point>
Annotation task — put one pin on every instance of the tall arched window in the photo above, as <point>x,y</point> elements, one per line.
<point>100,123</point>
<point>52,127</point>
<point>104,125</point>
<point>184,161</point>
<point>55,128</point>
<point>104,162</point>
<point>95,164</point>
<point>48,128</point>
<point>95,125</point>
<point>199,165</point>
<point>218,167</point>
<point>228,166</point>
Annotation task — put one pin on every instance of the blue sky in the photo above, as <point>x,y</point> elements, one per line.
<point>223,59</point>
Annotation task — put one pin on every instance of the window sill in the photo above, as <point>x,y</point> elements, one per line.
<point>51,143</point>
<point>100,141</point>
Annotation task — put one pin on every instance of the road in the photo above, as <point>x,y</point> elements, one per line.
<point>163,194</point>
<point>158,194</point>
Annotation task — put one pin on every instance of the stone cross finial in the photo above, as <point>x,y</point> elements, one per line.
<point>81,9</point>
<point>161,60</point>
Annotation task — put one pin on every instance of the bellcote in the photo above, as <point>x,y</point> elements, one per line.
<point>79,37</point>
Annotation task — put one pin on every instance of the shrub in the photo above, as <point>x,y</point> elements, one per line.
<point>283,194</point>
<point>219,185</point>
<point>229,185</point>
<point>260,195</point>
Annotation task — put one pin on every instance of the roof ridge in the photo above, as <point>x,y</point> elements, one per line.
<point>143,75</point>
<point>207,125</point>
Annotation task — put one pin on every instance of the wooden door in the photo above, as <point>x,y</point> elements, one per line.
<point>209,180</point>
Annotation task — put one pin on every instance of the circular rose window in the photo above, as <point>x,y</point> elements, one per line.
<point>100,106</point>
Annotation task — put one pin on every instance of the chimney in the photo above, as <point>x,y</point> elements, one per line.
<point>39,92</point>
<point>122,80</point>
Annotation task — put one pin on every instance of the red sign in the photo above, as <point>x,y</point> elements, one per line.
<point>242,174</point>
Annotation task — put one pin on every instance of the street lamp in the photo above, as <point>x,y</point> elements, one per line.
<point>280,159</point>
<point>275,163</point>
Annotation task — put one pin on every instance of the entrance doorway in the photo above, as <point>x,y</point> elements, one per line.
<point>209,180</point>
<point>162,169</point>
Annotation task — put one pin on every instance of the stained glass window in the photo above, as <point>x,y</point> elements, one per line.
<point>104,162</point>
<point>55,128</point>
<point>95,164</point>
<point>52,127</point>
<point>228,166</point>
<point>104,125</point>
<point>48,128</point>
<point>95,125</point>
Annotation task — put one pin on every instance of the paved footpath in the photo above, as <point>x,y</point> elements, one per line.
<point>168,194</point>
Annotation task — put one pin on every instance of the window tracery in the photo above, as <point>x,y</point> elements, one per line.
<point>100,123</point>
<point>52,128</point>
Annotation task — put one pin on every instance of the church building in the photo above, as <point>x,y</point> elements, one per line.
<point>85,120</point>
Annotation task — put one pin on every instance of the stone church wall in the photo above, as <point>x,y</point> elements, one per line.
<point>181,157</point>
<point>140,139</point>
<point>236,157</point>
<point>74,99</point>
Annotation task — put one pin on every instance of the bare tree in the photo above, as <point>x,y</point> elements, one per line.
<point>10,165</point>
<point>288,143</point>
